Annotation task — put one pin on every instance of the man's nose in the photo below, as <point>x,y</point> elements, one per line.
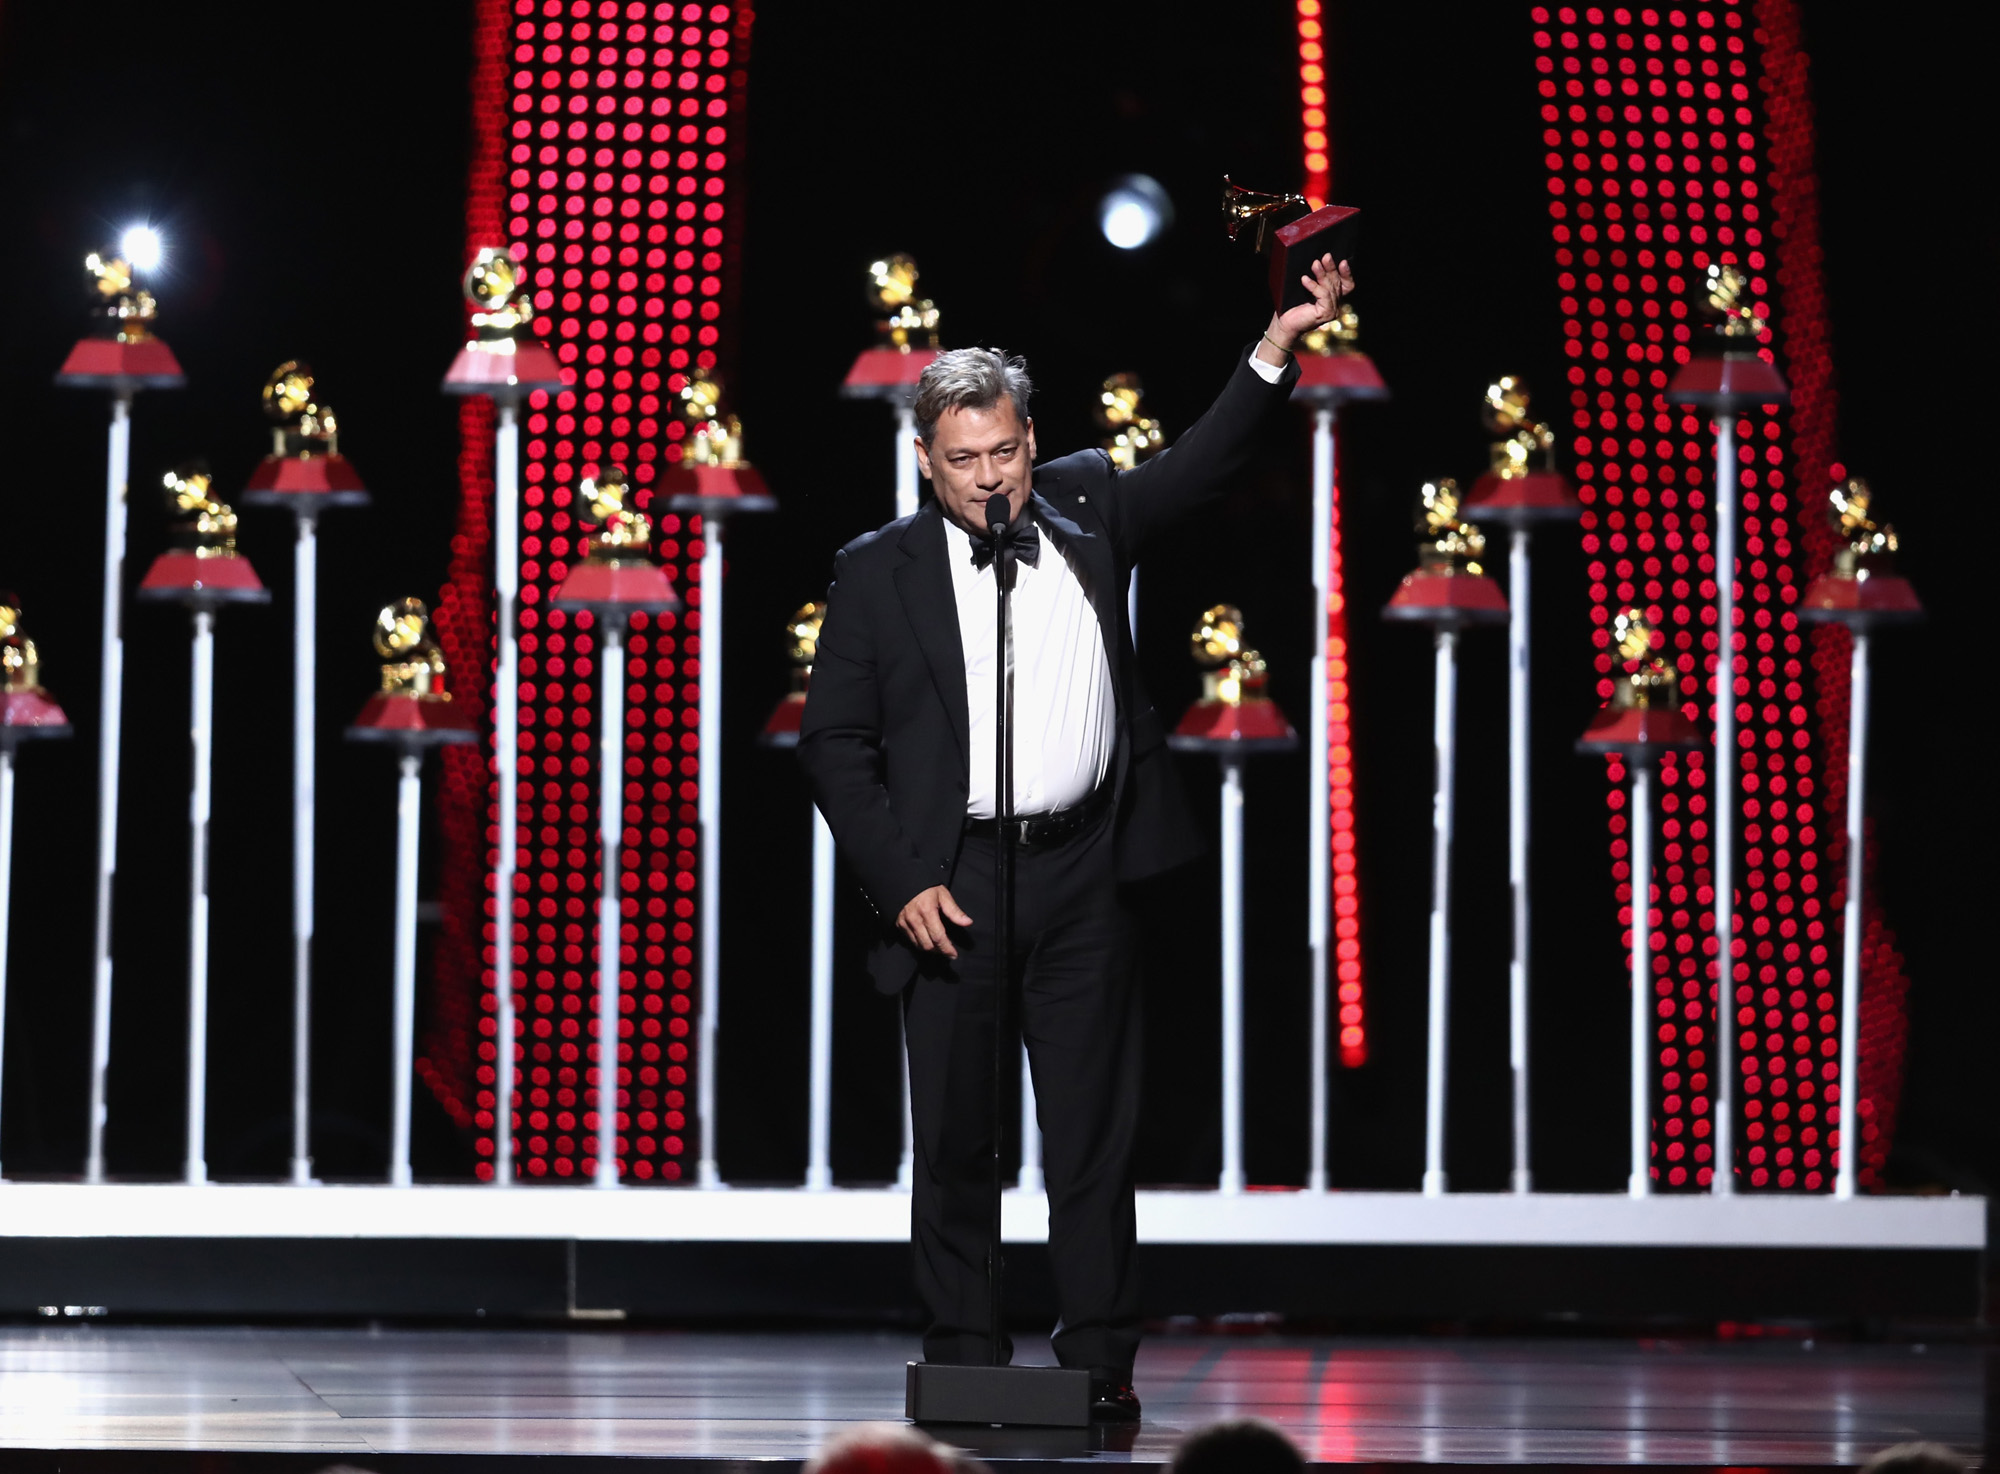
<point>989,475</point>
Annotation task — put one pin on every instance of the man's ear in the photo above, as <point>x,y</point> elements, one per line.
<point>923,459</point>
<point>1031,440</point>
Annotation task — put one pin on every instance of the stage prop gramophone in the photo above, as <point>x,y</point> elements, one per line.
<point>712,481</point>
<point>1864,593</point>
<point>203,573</point>
<point>1727,375</point>
<point>27,712</point>
<point>305,473</point>
<point>503,361</point>
<point>907,329</point>
<point>1642,722</point>
<point>1451,592</point>
<point>1333,372</point>
<point>1519,489</point>
<point>617,580</point>
<point>1131,437</point>
<point>410,714</point>
<point>121,356</point>
<point>782,731</point>
<point>1234,719</point>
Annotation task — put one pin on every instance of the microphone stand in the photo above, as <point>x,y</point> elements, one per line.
<point>934,1392</point>
<point>997,510</point>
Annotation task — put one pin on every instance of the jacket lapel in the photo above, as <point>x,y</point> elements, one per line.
<point>923,583</point>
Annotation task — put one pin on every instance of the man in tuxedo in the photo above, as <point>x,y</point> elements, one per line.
<point>898,738</point>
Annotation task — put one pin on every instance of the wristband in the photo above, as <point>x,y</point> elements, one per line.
<point>1277,345</point>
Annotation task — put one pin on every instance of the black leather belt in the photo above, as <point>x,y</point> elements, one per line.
<point>1030,830</point>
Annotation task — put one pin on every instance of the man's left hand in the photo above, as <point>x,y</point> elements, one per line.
<point>1329,285</point>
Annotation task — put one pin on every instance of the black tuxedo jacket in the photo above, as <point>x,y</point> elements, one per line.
<point>885,737</point>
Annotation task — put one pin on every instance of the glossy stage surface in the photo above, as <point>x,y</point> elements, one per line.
<point>388,1398</point>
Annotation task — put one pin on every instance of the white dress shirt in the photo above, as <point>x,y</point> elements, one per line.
<point>1064,711</point>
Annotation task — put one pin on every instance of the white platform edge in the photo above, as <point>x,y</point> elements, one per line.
<point>792,1215</point>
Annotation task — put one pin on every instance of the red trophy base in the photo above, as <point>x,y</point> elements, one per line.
<point>1642,732</point>
<point>782,730</point>
<point>480,369</point>
<point>27,715</point>
<point>1860,602</point>
<point>1219,727</point>
<point>1728,381</point>
<point>106,363</point>
<point>887,373</point>
<point>1447,597</point>
<point>183,576</point>
<point>629,588</point>
<point>1516,501</point>
<point>409,721</point>
<point>716,491</point>
<point>1334,378</point>
<point>304,482</point>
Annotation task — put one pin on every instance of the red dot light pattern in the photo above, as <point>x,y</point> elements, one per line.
<point>1312,101</point>
<point>616,159</point>
<point>1656,165</point>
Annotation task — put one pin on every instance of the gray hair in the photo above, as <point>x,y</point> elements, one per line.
<point>970,378</point>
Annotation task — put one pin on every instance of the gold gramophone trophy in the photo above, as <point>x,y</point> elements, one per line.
<point>1332,367</point>
<point>616,582</point>
<point>906,329</point>
<point>120,356</point>
<point>1725,372</point>
<point>1643,721</point>
<point>305,474</point>
<point>1520,485</point>
<point>502,360</point>
<point>1233,720</point>
<point>410,713</point>
<point>801,648</point>
<point>1234,708</point>
<point>1864,593</point>
<point>27,712</point>
<point>1130,435</point>
<point>1451,592</point>
<point>203,572</point>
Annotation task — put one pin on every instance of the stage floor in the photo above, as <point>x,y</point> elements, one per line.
<point>284,1399</point>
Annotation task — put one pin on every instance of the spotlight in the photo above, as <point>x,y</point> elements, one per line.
<point>141,246</point>
<point>1134,211</point>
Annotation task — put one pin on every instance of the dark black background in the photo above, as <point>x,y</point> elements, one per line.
<point>313,193</point>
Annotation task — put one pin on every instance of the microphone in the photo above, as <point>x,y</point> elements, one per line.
<point>999,512</point>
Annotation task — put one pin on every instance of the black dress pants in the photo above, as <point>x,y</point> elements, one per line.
<point>1077,1008</point>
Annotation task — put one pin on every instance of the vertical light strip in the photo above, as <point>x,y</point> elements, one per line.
<point>1312,97</point>
<point>616,172</point>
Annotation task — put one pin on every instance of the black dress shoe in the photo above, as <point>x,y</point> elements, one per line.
<point>1113,1402</point>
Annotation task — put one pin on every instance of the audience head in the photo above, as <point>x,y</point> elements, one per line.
<point>889,1448</point>
<point>1239,1446</point>
<point>1916,1458</point>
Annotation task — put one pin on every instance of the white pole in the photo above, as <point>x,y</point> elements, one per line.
<point>1444,739</point>
<point>305,599</point>
<point>1031,1179</point>
<point>1850,946</point>
<point>6,881</point>
<point>1640,834</point>
<point>111,687</point>
<point>202,732</point>
<point>1319,821</point>
<point>819,1123</point>
<point>709,814</point>
<point>1722,809</point>
<point>1517,846</point>
<point>506,768</point>
<point>611,840</point>
<point>906,1165</point>
<point>403,1043</point>
<point>1232,974</point>
<point>906,459</point>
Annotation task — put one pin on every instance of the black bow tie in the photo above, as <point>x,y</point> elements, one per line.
<point>1021,539</point>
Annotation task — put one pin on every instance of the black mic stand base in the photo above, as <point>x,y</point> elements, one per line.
<point>1023,1397</point>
